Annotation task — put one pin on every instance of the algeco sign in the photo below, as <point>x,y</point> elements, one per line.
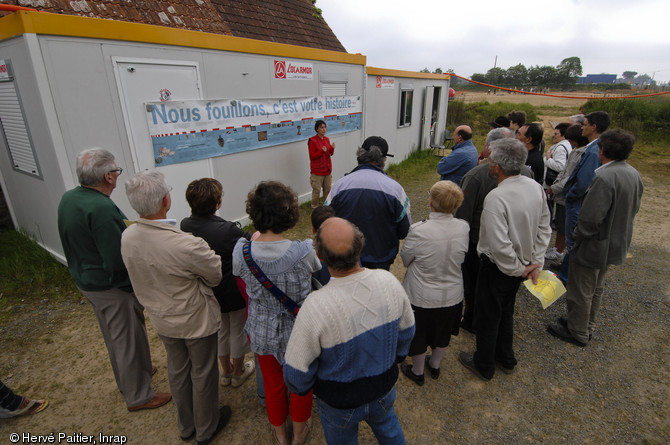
<point>285,69</point>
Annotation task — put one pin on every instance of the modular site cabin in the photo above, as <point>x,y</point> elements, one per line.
<point>192,104</point>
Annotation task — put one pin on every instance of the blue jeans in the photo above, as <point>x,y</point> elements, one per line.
<point>340,426</point>
<point>571,215</point>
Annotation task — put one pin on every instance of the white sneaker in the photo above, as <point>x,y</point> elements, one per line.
<point>553,254</point>
<point>226,379</point>
<point>248,370</point>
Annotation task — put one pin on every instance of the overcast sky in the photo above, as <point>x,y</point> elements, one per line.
<point>609,36</point>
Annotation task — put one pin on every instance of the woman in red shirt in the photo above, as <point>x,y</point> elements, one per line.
<point>320,166</point>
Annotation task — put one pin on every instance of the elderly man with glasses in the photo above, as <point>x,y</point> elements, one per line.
<point>90,227</point>
<point>173,273</point>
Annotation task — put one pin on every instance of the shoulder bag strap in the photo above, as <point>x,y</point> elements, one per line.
<point>284,299</point>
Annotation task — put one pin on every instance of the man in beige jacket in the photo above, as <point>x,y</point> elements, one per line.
<point>172,273</point>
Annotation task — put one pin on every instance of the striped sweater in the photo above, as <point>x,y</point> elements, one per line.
<point>348,338</point>
<point>377,205</point>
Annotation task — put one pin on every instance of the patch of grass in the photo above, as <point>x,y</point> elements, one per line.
<point>28,273</point>
<point>557,109</point>
<point>303,229</point>
<point>647,118</point>
<point>414,166</point>
<point>651,158</point>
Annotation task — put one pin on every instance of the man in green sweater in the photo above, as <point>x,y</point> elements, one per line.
<point>90,226</point>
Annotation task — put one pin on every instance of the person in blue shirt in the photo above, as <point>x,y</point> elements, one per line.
<point>579,181</point>
<point>462,159</point>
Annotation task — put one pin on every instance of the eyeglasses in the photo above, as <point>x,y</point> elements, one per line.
<point>119,170</point>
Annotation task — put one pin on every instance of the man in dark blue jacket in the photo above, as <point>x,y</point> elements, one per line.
<point>375,203</point>
<point>462,159</point>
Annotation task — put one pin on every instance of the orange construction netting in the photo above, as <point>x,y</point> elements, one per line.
<point>558,95</point>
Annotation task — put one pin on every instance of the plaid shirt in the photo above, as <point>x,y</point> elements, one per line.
<point>269,324</point>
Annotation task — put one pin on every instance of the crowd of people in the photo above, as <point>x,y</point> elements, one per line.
<point>328,321</point>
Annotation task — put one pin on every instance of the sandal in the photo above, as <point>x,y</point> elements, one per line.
<point>226,379</point>
<point>29,407</point>
<point>308,430</point>
<point>274,436</point>
<point>247,370</point>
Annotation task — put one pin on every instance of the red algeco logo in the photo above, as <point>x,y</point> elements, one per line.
<point>280,69</point>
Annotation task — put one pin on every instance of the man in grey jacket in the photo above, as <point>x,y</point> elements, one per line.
<point>602,236</point>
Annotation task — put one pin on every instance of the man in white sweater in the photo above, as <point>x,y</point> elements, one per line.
<point>513,239</point>
<point>348,338</point>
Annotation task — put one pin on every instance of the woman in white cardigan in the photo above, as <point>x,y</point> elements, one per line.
<point>433,253</point>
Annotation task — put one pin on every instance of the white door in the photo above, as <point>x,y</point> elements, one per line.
<point>426,117</point>
<point>141,81</point>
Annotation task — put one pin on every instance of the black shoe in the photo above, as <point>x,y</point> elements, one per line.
<point>504,368</point>
<point>468,361</point>
<point>407,370</point>
<point>434,372</point>
<point>563,320</point>
<point>224,418</point>
<point>562,333</point>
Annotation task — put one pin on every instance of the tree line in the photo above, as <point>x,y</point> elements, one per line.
<point>564,75</point>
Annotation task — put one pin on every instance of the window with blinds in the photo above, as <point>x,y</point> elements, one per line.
<point>14,131</point>
<point>333,84</point>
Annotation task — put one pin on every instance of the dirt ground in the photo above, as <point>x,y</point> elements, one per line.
<point>616,390</point>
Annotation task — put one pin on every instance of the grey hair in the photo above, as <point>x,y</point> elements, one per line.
<point>499,133</point>
<point>146,191</point>
<point>578,119</point>
<point>341,261</point>
<point>93,164</point>
<point>373,155</point>
<point>510,154</point>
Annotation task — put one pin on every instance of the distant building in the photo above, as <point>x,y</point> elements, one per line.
<point>597,78</point>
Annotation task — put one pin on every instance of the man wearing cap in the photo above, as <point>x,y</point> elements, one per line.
<point>462,159</point>
<point>375,203</point>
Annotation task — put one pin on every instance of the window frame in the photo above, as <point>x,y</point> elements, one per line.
<point>406,102</point>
